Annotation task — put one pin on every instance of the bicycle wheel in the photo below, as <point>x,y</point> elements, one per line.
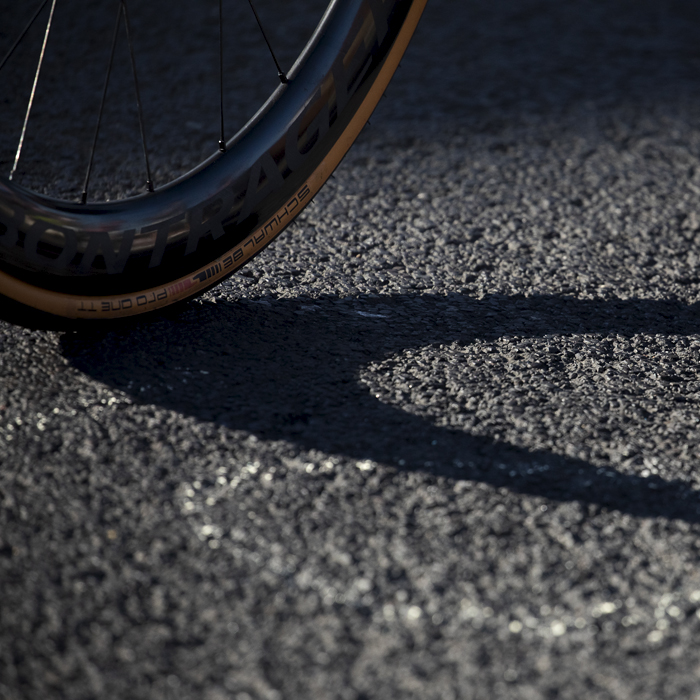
<point>114,259</point>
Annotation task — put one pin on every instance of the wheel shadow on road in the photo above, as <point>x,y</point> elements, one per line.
<point>288,369</point>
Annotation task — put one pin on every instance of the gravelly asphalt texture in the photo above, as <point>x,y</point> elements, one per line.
<point>439,441</point>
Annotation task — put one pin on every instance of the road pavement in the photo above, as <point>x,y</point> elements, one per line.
<point>439,441</point>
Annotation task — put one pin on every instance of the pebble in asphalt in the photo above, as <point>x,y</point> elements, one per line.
<point>437,442</point>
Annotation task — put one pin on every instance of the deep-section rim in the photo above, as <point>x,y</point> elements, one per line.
<point>216,155</point>
<point>353,107</point>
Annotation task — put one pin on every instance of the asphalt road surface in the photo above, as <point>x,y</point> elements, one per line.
<point>439,441</point>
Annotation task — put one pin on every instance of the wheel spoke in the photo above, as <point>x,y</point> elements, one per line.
<point>282,75</point>
<point>42,5</point>
<point>149,180</point>
<point>33,93</point>
<point>117,24</point>
<point>222,138</point>
<point>122,11</point>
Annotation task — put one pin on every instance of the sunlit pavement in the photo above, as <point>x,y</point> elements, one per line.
<point>439,441</point>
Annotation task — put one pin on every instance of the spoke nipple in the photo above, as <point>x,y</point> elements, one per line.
<point>283,78</point>
<point>83,198</point>
<point>222,146</point>
<point>149,185</point>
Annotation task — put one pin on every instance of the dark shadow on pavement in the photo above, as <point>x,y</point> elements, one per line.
<point>288,370</point>
<point>499,60</point>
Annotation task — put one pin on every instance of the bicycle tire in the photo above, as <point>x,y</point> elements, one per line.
<point>118,259</point>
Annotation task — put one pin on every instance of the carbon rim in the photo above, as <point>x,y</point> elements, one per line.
<point>121,258</point>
